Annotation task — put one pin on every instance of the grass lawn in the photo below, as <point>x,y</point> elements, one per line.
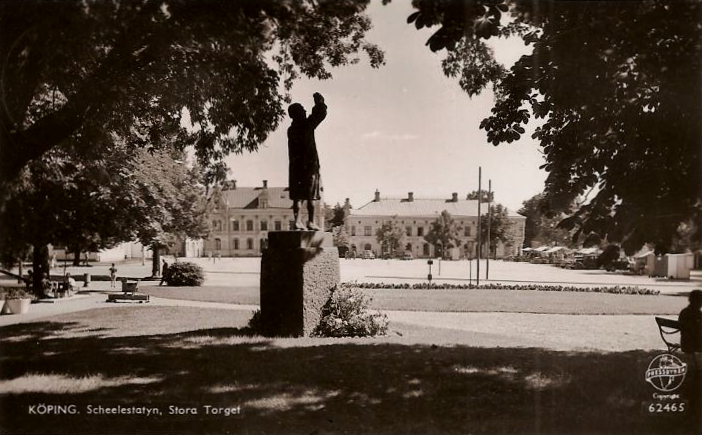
<point>160,357</point>
<point>509,301</point>
<point>232,295</point>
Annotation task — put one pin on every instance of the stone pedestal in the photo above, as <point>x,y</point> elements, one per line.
<point>299,270</point>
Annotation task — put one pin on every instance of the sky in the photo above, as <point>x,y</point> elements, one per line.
<point>404,127</point>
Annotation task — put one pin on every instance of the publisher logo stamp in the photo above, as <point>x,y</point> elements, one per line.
<point>666,372</point>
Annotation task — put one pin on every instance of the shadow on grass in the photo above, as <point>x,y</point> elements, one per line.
<point>315,386</point>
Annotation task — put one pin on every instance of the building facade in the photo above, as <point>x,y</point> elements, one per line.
<point>416,215</point>
<point>243,216</point>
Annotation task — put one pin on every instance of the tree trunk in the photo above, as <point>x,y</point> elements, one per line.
<point>155,261</point>
<point>76,257</point>
<point>40,268</point>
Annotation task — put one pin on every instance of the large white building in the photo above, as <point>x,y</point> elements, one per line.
<point>243,216</point>
<point>416,216</point>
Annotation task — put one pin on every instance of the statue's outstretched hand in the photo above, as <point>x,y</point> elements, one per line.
<point>318,98</point>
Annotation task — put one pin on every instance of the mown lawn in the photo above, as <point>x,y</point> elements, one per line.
<point>510,301</point>
<point>161,357</point>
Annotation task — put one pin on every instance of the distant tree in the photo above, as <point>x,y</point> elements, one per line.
<point>165,202</point>
<point>609,255</point>
<point>338,216</point>
<point>444,232</point>
<point>340,238</point>
<point>541,229</point>
<point>500,226</point>
<point>618,86</point>
<point>64,200</point>
<point>90,204</point>
<point>391,237</point>
<point>138,69</point>
<point>485,197</point>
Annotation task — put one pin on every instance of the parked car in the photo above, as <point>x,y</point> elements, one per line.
<point>585,262</point>
<point>618,264</point>
<point>408,256</point>
<point>368,255</point>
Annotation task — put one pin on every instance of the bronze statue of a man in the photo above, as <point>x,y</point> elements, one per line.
<point>304,180</point>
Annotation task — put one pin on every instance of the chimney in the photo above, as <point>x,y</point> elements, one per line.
<point>454,197</point>
<point>377,196</point>
<point>265,184</point>
<point>410,196</point>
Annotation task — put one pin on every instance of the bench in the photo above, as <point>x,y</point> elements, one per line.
<point>668,329</point>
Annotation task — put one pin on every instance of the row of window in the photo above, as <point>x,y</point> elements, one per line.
<point>263,225</point>
<point>468,247</point>
<point>236,244</point>
<point>368,231</point>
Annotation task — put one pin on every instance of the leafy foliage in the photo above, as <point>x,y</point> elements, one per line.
<point>119,194</point>
<point>338,216</point>
<point>485,196</point>
<point>390,236</point>
<point>141,70</point>
<point>346,314</point>
<point>617,87</point>
<point>541,230</point>
<point>340,238</point>
<point>500,226</point>
<point>185,273</point>
<point>15,292</point>
<point>444,232</point>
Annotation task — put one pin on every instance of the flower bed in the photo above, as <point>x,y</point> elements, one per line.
<point>627,290</point>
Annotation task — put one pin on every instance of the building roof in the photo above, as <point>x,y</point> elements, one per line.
<point>424,207</point>
<point>248,197</point>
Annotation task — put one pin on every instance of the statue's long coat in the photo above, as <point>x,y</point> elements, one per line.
<point>304,180</point>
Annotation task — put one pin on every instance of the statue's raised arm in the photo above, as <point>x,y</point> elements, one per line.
<point>319,111</point>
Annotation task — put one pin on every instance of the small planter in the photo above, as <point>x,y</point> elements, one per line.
<point>18,306</point>
<point>4,308</point>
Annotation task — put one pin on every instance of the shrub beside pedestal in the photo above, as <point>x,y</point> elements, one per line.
<point>299,270</point>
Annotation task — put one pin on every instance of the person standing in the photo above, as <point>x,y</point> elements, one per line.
<point>304,181</point>
<point>164,272</point>
<point>113,276</point>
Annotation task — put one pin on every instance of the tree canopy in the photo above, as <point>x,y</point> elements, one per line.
<point>391,237</point>
<point>145,69</point>
<point>89,204</point>
<point>484,196</point>
<point>500,226</point>
<point>444,232</point>
<point>541,229</point>
<point>617,87</point>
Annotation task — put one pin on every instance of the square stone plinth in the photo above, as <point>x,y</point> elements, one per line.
<point>299,270</point>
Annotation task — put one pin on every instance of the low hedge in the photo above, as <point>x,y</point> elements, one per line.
<point>624,290</point>
<point>15,292</point>
<point>185,273</point>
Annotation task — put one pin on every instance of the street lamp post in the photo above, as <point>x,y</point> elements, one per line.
<point>429,262</point>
